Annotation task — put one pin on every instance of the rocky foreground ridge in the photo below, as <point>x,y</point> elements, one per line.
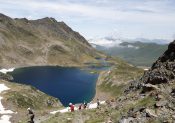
<point>156,92</point>
<point>44,41</point>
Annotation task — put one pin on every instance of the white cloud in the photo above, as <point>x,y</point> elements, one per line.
<point>114,12</point>
<point>160,13</point>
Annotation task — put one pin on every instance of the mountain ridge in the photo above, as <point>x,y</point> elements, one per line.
<point>40,42</point>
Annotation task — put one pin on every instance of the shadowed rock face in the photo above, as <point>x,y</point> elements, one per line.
<point>163,70</point>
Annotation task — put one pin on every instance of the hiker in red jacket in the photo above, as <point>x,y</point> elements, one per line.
<point>71,107</point>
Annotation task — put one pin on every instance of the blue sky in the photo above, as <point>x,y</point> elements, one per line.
<point>99,18</point>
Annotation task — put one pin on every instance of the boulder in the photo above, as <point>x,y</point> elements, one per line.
<point>150,113</point>
<point>161,103</point>
<point>173,117</point>
<point>159,97</point>
<point>173,93</point>
<point>127,120</point>
<point>149,87</point>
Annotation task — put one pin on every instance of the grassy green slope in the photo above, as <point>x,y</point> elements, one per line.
<point>145,55</point>
<point>116,80</point>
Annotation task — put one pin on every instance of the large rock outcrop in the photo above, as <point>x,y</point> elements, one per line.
<point>163,70</point>
<point>153,96</point>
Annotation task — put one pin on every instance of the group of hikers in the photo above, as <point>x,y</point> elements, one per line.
<point>82,106</point>
<point>71,107</point>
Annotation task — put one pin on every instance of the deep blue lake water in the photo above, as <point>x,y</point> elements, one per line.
<point>68,84</point>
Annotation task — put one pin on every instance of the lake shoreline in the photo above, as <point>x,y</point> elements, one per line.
<point>100,94</point>
<point>81,67</point>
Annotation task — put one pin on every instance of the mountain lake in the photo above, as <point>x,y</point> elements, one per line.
<point>68,84</point>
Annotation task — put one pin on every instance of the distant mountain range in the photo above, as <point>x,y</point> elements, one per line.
<point>139,53</point>
<point>41,42</point>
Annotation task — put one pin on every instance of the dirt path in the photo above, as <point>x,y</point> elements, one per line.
<point>90,106</point>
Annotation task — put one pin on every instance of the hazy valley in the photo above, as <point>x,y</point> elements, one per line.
<point>139,52</point>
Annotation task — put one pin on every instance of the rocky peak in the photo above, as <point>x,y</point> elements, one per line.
<point>169,55</point>
<point>163,70</point>
<point>45,21</point>
<point>63,28</point>
<point>171,46</point>
<point>24,20</point>
<point>48,19</point>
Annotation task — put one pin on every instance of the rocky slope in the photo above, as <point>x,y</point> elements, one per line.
<point>163,70</point>
<point>44,41</point>
<point>155,90</point>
